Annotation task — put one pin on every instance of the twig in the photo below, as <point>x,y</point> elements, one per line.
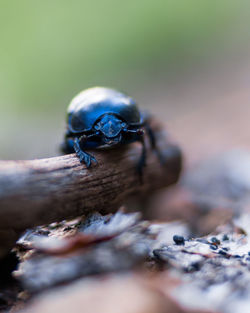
<point>36,192</point>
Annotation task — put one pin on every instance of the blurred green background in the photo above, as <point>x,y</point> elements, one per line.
<point>51,50</point>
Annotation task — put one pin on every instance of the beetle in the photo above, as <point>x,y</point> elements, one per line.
<point>101,117</point>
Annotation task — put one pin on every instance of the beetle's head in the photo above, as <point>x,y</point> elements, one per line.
<point>110,126</point>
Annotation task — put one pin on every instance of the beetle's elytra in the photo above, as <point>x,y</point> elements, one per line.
<point>99,117</point>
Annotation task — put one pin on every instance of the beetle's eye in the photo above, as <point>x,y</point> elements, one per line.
<point>124,124</point>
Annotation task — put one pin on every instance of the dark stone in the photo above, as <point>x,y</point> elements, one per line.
<point>213,247</point>
<point>215,240</point>
<point>179,240</point>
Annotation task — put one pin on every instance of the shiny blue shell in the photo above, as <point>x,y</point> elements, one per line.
<point>88,106</point>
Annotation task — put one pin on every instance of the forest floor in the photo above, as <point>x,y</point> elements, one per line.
<point>190,249</point>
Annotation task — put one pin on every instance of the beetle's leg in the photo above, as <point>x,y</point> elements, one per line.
<point>138,135</point>
<point>153,142</point>
<point>147,118</point>
<point>83,156</point>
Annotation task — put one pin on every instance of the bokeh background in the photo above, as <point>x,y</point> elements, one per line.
<point>186,61</point>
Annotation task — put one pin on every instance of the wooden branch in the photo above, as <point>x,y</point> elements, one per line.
<point>36,192</point>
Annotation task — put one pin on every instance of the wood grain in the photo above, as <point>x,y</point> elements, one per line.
<point>41,191</point>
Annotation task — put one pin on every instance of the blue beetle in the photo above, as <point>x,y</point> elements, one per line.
<point>99,117</point>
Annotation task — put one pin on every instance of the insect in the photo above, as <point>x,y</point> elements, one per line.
<point>99,117</point>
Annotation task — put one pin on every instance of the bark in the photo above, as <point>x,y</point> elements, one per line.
<point>41,191</point>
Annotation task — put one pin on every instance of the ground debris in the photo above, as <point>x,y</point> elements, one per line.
<point>216,262</point>
<point>214,270</point>
<point>197,261</point>
<point>100,244</point>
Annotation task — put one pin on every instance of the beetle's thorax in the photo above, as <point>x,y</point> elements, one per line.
<point>110,127</point>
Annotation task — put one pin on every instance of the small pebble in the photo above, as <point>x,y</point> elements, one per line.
<point>213,247</point>
<point>222,252</point>
<point>179,240</point>
<point>215,240</point>
<point>225,237</point>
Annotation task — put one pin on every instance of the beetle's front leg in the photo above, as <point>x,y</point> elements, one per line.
<point>138,135</point>
<point>82,155</point>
